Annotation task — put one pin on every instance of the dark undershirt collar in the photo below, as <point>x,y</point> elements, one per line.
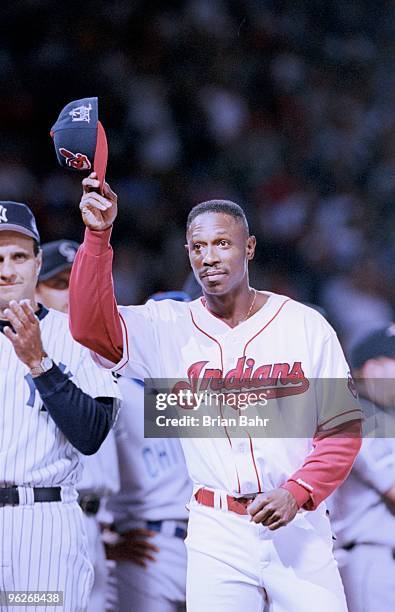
<point>40,313</point>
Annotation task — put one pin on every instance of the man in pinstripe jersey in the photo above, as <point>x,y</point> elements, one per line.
<point>54,402</point>
<point>100,476</point>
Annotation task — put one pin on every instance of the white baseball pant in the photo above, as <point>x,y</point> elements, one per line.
<point>234,564</point>
<point>44,548</point>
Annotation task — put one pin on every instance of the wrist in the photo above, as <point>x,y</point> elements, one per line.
<point>300,494</point>
<point>97,242</point>
<point>35,362</point>
<point>42,365</point>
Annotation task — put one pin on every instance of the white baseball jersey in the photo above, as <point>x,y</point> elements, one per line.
<point>281,341</point>
<point>33,451</point>
<point>154,480</point>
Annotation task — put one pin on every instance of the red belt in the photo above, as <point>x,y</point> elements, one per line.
<point>235,504</point>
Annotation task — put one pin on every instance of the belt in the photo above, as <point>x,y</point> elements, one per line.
<point>238,505</point>
<point>89,503</point>
<point>179,532</point>
<point>9,496</point>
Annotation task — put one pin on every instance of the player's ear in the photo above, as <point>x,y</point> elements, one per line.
<point>186,248</point>
<point>250,248</point>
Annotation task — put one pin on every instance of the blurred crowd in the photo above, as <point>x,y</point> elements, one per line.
<point>285,107</point>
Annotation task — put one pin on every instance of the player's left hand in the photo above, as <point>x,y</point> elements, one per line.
<point>273,509</point>
<point>26,337</point>
<point>133,546</point>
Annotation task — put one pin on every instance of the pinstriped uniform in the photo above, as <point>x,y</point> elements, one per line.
<point>43,545</point>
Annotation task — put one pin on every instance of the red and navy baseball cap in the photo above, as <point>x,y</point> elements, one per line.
<point>17,217</point>
<point>79,138</point>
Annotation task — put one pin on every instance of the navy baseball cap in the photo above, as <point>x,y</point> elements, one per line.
<point>179,296</point>
<point>380,343</point>
<point>79,138</point>
<point>57,256</point>
<point>17,217</point>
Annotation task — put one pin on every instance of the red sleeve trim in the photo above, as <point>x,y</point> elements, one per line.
<point>300,494</point>
<point>125,358</point>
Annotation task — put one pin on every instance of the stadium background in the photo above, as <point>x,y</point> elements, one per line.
<point>284,107</point>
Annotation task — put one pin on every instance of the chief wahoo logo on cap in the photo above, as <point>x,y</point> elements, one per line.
<point>79,161</point>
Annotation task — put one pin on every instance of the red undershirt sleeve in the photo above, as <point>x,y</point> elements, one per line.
<point>327,466</point>
<point>93,313</point>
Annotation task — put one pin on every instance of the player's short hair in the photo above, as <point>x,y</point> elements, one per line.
<point>36,248</point>
<point>226,207</point>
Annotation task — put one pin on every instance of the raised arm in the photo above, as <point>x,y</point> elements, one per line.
<point>93,313</point>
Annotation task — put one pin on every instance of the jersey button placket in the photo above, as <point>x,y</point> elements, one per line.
<point>245,469</point>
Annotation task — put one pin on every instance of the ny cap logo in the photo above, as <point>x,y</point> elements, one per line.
<point>81,113</point>
<point>68,251</point>
<point>3,216</point>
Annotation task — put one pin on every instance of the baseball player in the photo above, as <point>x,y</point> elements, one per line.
<point>54,402</point>
<point>363,508</point>
<point>100,476</point>
<point>150,511</point>
<point>258,533</point>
